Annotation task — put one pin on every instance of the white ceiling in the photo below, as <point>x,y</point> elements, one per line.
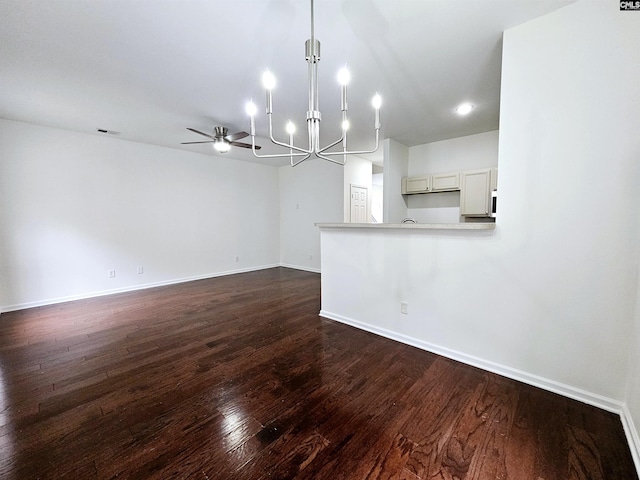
<point>151,68</point>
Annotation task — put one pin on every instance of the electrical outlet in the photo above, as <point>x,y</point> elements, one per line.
<point>112,273</point>
<point>237,258</point>
<point>140,270</point>
<point>404,308</point>
<point>310,257</point>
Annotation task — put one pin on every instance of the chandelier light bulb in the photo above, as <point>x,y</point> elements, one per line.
<point>376,101</point>
<point>345,125</point>
<point>251,109</point>
<point>291,128</point>
<point>344,76</point>
<point>268,80</point>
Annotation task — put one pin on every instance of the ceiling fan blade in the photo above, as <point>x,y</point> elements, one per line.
<point>244,145</point>
<point>201,133</point>
<point>232,137</point>
<point>190,143</point>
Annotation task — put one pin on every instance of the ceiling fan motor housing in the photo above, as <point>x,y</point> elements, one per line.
<point>221,132</point>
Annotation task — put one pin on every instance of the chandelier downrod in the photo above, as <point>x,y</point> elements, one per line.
<point>312,29</point>
<point>312,56</point>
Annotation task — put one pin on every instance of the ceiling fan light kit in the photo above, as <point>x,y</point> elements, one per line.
<point>222,146</point>
<point>297,154</point>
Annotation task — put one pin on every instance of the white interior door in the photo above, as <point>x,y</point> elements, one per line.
<point>359,201</point>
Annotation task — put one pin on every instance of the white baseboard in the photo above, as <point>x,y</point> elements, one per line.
<point>594,399</point>
<point>130,288</point>
<point>298,267</point>
<point>632,434</point>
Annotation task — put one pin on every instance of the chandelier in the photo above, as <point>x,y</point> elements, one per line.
<point>298,154</point>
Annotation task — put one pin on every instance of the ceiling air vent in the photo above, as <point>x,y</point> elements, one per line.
<point>110,132</point>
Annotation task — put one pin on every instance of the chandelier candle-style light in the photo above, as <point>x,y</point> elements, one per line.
<point>312,55</point>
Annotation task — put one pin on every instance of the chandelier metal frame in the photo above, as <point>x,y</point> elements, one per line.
<point>312,56</point>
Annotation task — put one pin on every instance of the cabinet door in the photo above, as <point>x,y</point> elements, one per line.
<point>445,182</point>
<point>475,193</point>
<point>416,184</point>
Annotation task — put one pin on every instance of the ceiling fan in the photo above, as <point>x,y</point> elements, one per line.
<point>222,139</point>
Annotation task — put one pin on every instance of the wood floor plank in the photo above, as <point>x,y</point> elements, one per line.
<point>521,450</point>
<point>584,458</point>
<point>445,397</point>
<point>238,378</point>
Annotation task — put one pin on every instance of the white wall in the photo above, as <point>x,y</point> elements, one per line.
<point>550,296</point>
<point>310,193</point>
<point>457,154</point>
<point>357,171</point>
<point>395,165</point>
<point>76,205</point>
<point>567,117</point>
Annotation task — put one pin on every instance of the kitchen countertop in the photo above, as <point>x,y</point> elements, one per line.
<point>409,226</point>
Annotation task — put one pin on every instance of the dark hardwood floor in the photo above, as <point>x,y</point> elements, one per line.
<point>238,378</point>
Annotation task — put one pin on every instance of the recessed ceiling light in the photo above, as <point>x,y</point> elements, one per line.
<point>464,108</point>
